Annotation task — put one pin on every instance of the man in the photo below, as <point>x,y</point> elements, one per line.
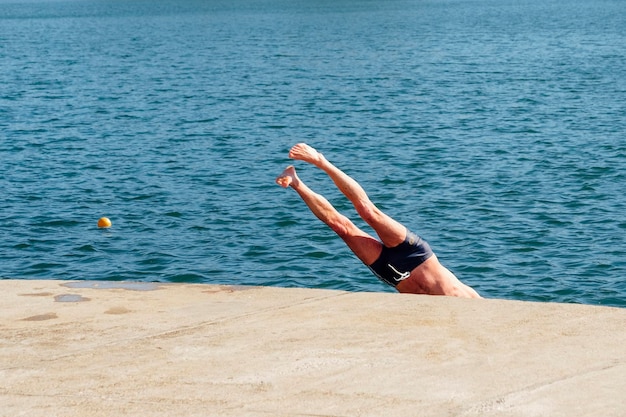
<point>401,258</point>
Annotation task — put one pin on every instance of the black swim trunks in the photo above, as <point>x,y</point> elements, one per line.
<point>395,264</point>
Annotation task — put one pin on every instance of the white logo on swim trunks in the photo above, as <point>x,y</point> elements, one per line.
<point>402,275</point>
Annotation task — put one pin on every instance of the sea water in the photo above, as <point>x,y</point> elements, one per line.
<point>495,129</point>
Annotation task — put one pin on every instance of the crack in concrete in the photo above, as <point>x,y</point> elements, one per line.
<point>503,402</point>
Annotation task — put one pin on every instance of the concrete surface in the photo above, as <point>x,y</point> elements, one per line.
<point>123,349</point>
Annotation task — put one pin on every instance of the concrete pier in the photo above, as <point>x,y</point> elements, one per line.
<point>139,349</point>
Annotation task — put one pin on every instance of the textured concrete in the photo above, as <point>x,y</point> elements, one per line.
<point>120,349</point>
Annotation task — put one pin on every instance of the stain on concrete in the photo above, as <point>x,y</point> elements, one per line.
<point>41,317</point>
<point>37,294</point>
<point>229,288</point>
<point>70,298</point>
<point>215,290</point>
<point>108,285</point>
<point>117,310</point>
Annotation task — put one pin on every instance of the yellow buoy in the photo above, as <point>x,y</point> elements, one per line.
<point>104,223</point>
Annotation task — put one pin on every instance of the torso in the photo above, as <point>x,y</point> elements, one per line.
<point>432,278</point>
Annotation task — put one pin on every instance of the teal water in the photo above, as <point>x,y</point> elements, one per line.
<point>496,129</point>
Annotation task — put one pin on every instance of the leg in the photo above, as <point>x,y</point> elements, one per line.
<point>365,247</point>
<point>390,231</point>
